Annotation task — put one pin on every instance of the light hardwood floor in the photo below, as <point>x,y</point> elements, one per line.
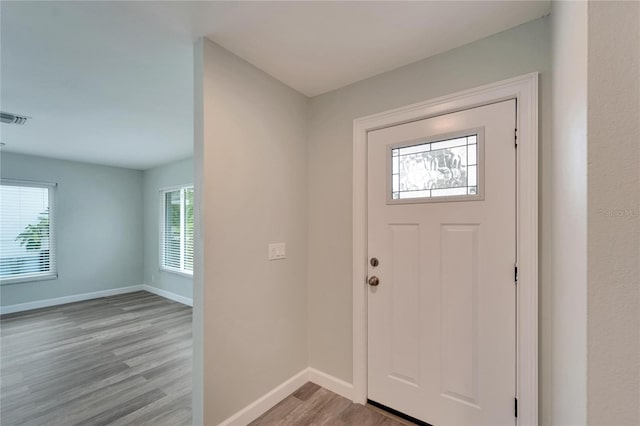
<point>314,405</point>
<point>121,360</point>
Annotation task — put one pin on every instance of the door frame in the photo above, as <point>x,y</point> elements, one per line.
<point>525,90</point>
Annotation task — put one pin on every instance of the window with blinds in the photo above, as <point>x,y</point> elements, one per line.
<point>27,233</point>
<point>176,230</point>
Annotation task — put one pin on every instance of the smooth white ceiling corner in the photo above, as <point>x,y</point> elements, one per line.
<point>316,47</point>
<point>102,85</point>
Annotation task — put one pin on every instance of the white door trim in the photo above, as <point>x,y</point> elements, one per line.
<point>525,90</point>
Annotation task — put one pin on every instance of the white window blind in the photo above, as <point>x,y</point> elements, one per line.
<point>27,233</point>
<point>176,230</point>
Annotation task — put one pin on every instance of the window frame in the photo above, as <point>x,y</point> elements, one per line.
<point>479,196</point>
<point>52,274</point>
<point>161,237</point>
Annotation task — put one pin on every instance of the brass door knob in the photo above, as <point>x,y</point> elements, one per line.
<point>374,281</point>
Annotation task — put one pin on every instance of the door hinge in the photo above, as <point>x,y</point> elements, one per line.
<point>515,273</point>
<point>515,137</point>
<point>516,407</point>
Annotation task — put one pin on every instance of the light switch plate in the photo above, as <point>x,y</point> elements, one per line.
<point>277,251</point>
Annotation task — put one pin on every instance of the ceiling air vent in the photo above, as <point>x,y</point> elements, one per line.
<point>9,118</point>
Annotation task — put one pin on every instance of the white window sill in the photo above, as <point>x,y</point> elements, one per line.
<point>177,272</point>
<point>29,278</point>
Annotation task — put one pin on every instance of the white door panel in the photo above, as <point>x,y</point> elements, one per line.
<point>442,323</point>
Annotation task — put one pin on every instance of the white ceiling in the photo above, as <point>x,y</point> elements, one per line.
<point>102,85</point>
<point>111,82</point>
<point>316,47</point>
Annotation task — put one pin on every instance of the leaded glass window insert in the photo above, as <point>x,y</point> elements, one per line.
<point>443,168</point>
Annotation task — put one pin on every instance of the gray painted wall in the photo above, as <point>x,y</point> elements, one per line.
<point>613,212</point>
<point>155,179</point>
<point>99,227</point>
<point>253,192</point>
<point>594,297</point>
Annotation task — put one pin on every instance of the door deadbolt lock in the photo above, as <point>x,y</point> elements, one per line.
<point>374,262</point>
<point>374,281</point>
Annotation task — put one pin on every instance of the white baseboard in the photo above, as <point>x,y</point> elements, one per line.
<point>334,384</point>
<point>168,295</point>
<point>68,299</point>
<point>267,401</point>
<point>264,403</point>
<point>93,295</point>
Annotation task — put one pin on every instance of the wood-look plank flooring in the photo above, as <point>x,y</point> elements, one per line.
<point>121,360</point>
<point>314,405</point>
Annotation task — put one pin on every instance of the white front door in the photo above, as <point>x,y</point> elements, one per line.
<point>442,226</point>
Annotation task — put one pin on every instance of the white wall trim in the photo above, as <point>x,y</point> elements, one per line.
<point>265,402</point>
<point>198,372</point>
<point>68,299</point>
<point>334,384</point>
<point>271,398</point>
<point>168,295</point>
<point>93,295</point>
<point>525,90</point>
